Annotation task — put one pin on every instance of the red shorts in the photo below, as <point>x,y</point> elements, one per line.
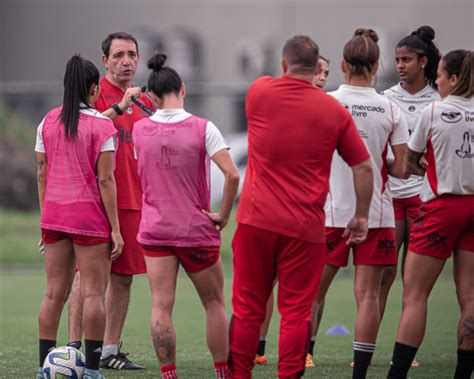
<point>193,259</point>
<point>52,236</point>
<point>377,249</point>
<point>443,225</point>
<point>132,260</point>
<point>407,207</point>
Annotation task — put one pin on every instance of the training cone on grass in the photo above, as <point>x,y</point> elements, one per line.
<point>337,330</point>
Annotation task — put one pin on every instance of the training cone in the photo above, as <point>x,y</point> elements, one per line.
<point>337,330</point>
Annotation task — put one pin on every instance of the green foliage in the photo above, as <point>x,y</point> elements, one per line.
<point>15,129</point>
<point>19,236</point>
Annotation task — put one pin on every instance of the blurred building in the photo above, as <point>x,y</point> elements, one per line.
<point>219,46</point>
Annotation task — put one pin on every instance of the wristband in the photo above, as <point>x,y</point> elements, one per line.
<point>117,109</point>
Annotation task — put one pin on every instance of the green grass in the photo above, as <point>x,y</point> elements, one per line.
<point>21,293</point>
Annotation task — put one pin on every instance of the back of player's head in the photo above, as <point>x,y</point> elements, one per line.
<point>460,63</point>
<point>421,42</point>
<point>361,53</point>
<point>79,77</point>
<point>107,42</point>
<point>302,54</point>
<point>324,59</point>
<point>163,80</point>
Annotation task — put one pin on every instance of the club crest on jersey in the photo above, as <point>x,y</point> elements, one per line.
<point>465,150</point>
<point>451,117</point>
<point>411,108</point>
<point>129,110</point>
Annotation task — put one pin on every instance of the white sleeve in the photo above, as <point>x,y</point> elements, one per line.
<point>108,145</point>
<point>400,127</point>
<point>39,147</point>
<point>214,140</point>
<point>419,137</point>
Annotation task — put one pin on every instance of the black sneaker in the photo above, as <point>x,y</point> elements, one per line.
<point>75,344</point>
<point>119,362</point>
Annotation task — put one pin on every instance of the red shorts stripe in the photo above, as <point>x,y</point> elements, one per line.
<point>52,236</point>
<point>377,249</point>
<point>193,259</point>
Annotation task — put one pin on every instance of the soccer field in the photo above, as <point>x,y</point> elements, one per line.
<point>21,293</point>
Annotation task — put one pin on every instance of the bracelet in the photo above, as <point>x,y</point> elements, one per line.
<point>117,109</point>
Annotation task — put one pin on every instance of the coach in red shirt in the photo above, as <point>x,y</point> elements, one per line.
<point>120,58</point>
<point>293,130</point>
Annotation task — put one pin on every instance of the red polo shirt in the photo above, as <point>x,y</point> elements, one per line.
<point>293,130</point>
<point>129,194</point>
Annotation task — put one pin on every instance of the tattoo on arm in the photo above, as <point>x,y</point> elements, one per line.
<point>41,165</point>
<point>467,333</point>
<point>103,183</point>
<point>412,163</point>
<point>164,341</point>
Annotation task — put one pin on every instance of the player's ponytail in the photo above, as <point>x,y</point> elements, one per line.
<point>421,42</point>
<point>80,75</point>
<point>461,63</point>
<point>163,79</point>
<point>362,52</point>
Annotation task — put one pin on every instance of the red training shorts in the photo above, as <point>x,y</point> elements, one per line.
<point>52,236</point>
<point>132,260</point>
<point>443,225</point>
<point>193,259</point>
<point>407,207</point>
<point>377,249</point>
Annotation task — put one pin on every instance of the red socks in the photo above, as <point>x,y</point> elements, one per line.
<point>169,372</point>
<point>221,370</point>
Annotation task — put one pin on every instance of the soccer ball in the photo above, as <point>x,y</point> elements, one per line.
<point>64,362</point>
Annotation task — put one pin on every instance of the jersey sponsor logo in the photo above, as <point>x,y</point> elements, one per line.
<point>386,244</point>
<point>151,130</point>
<point>363,133</point>
<point>465,150</point>
<point>330,246</point>
<point>437,238</point>
<point>469,116</point>
<point>165,163</point>
<point>125,136</point>
<point>411,108</point>
<point>451,116</point>
<point>198,256</point>
<point>359,110</point>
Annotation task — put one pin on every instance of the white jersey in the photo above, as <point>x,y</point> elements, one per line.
<point>379,122</point>
<point>446,131</point>
<point>214,140</point>
<point>411,106</point>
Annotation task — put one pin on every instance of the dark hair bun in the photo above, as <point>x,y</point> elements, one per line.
<point>425,33</point>
<point>368,33</point>
<point>156,62</point>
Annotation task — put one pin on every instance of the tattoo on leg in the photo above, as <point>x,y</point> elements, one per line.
<point>467,331</point>
<point>163,340</point>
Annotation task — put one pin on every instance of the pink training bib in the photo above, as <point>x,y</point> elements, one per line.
<point>72,202</point>
<point>173,166</point>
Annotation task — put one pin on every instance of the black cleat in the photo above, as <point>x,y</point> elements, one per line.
<point>75,344</point>
<point>119,362</point>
